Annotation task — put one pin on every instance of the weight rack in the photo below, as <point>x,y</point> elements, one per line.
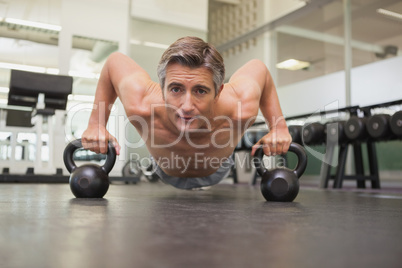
<point>359,175</point>
<point>327,165</point>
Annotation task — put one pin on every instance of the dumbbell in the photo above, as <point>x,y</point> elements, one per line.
<point>90,180</point>
<point>378,126</point>
<point>396,123</point>
<point>355,128</point>
<point>313,134</point>
<point>336,132</point>
<point>295,132</point>
<point>281,184</point>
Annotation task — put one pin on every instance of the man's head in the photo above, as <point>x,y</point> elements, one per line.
<point>191,74</point>
<point>193,52</point>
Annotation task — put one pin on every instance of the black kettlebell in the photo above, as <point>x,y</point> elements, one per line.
<point>281,184</point>
<point>90,180</point>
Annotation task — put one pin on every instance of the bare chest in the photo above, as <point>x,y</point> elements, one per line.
<point>188,155</point>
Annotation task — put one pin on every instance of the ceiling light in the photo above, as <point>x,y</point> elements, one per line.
<point>52,71</point>
<point>4,89</point>
<point>84,74</point>
<point>135,42</point>
<point>22,67</point>
<point>38,69</point>
<point>148,44</point>
<point>157,45</point>
<point>28,68</point>
<point>293,65</point>
<point>81,98</point>
<point>34,24</point>
<point>389,13</point>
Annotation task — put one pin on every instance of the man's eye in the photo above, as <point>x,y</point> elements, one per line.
<point>201,91</point>
<point>175,90</point>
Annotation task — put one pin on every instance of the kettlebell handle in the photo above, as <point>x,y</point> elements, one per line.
<point>295,148</point>
<point>77,144</point>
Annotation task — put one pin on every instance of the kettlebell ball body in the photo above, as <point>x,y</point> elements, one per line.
<point>281,184</point>
<point>89,180</point>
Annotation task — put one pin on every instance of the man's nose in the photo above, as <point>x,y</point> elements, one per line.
<point>188,104</point>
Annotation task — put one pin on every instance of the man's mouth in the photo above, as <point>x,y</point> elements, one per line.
<point>186,118</point>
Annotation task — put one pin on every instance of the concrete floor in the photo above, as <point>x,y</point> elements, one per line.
<point>155,225</point>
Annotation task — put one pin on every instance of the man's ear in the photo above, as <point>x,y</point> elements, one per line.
<point>162,91</point>
<point>219,92</point>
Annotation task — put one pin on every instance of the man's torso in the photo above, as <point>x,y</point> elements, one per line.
<point>200,152</point>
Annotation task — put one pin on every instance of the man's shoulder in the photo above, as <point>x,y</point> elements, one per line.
<point>244,90</point>
<point>146,100</point>
<point>237,102</point>
<point>242,99</point>
<point>249,79</point>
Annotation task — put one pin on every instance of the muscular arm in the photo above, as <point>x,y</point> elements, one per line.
<point>257,87</point>
<point>120,77</point>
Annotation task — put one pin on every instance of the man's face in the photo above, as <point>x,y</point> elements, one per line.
<point>189,96</point>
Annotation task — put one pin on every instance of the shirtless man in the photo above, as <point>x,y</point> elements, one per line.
<point>190,121</point>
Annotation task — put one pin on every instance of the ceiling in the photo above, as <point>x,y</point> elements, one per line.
<point>315,38</point>
<point>28,46</point>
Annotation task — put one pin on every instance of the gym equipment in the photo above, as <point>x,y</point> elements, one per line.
<point>25,88</point>
<point>336,132</point>
<point>249,139</point>
<point>355,128</point>
<point>132,169</point>
<point>34,98</point>
<point>259,134</point>
<point>239,145</point>
<point>378,126</point>
<point>150,174</point>
<point>59,172</point>
<point>90,180</point>
<point>281,184</point>
<point>313,134</point>
<point>295,132</point>
<point>396,123</point>
<point>19,118</point>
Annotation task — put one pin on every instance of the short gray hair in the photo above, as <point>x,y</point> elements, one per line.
<point>193,52</point>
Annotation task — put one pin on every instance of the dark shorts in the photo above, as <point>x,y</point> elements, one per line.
<point>197,182</point>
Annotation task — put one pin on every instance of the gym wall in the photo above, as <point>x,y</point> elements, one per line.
<point>384,85</point>
<point>322,87</point>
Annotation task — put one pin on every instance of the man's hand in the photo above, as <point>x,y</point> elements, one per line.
<point>96,138</point>
<point>276,142</point>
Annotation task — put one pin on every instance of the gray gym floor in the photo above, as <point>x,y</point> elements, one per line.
<point>155,225</point>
